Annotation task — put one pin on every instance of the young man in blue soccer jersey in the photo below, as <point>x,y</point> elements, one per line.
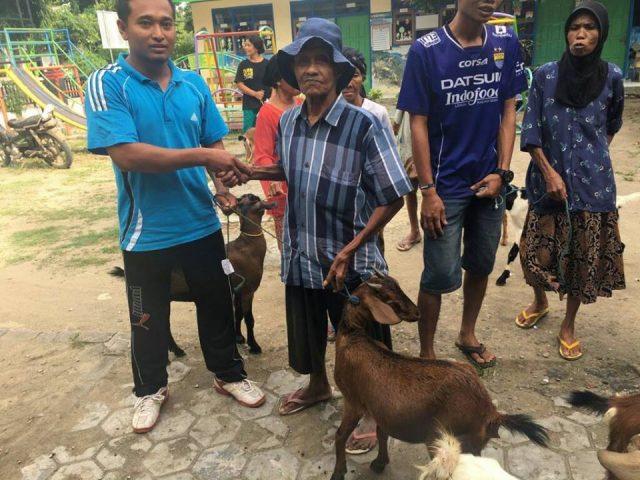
<point>153,119</point>
<point>459,86</point>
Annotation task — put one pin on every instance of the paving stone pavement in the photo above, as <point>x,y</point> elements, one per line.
<point>202,435</point>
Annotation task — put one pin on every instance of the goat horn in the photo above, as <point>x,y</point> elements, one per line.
<point>374,286</point>
<point>379,272</point>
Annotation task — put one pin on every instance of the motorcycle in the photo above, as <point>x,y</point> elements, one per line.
<point>35,137</point>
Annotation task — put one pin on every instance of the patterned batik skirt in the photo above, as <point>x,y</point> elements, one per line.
<point>590,266</point>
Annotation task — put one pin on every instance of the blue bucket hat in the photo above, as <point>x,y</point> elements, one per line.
<point>329,33</point>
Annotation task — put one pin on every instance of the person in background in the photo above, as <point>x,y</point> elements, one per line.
<point>250,81</point>
<point>283,97</point>
<point>355,94</point>
<point>364,437</point>
<point>571,242</point>
<point>402,129</point>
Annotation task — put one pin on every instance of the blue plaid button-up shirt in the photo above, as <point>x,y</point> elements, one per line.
<point>338,170</point>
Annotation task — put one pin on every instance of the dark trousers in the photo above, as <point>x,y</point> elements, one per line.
<point>148,280</point>
<point>307,311</point>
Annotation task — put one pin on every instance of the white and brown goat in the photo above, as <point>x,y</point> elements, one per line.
<point>449,463</point>
<point>410,399</point>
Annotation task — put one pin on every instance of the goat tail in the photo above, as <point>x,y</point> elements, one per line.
<point>445,459</point>
<point>589,401</point>
<point>116,272</point>
<point>525,425</point>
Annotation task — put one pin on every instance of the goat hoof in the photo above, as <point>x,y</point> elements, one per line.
<point>378,465</point>
<point>255,348</point>
<point>337,476</point>
<point>240,339</point>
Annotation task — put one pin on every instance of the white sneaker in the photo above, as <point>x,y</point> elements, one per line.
<point>245,392</point>
<point>147,410</point>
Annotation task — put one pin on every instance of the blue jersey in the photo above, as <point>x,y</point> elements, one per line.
<point>155,210</point>
<point>462,92</point>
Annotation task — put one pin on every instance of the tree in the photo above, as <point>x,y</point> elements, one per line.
<point>82,24</point>
<point>184,24</point>
<point>21,13</point>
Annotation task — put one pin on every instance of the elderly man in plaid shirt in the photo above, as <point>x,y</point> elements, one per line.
<point>346,181</point>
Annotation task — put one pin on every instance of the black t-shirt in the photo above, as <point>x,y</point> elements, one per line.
<point>252,75</point>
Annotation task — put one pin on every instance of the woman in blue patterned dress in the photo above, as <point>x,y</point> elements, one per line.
<point>571,243</point>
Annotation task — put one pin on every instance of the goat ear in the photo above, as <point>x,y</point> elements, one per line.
<point>382,313</point>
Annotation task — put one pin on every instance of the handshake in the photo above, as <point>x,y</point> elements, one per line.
<point>227,168</point>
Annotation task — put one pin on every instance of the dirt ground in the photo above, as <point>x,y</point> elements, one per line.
<point>42,380</point>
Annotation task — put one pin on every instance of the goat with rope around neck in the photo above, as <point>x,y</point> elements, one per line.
<point>246,254</point>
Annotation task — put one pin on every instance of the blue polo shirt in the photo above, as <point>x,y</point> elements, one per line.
<point>155,210</point>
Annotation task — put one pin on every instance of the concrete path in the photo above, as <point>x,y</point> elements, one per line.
<point>203,435</point>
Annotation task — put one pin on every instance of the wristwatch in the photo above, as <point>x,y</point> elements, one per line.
<point>505,175</point>
<point>427,186</point>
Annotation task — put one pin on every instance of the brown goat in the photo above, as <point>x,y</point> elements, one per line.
<point>246,254</point>
<point>409,398</point>
<point>623,413</point>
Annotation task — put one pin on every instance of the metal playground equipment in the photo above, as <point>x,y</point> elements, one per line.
<point>48,68</point>
<point>218,68</point>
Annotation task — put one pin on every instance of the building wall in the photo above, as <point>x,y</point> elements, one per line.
<point>380,6</point>
<point>281,16</point>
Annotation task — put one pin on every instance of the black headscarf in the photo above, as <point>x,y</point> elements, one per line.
<point>581,79</point>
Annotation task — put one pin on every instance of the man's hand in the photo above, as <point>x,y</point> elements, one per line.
<point>338,271</point>
<point>227,202</point>
<point>433,218</point>
<point>237,174</point>
<point>488,187</point>
<point>259,94</point>
<point>556,188</point>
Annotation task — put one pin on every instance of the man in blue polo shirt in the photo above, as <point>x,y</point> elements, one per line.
<point>153,120</point>
<point>459,86</point>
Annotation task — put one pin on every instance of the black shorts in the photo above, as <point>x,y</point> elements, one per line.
<point>307,311</point>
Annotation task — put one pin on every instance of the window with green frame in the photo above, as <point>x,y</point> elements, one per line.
<point>241,19</point>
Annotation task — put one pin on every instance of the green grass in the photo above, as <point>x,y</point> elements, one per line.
<point>37,237</point>
<point>109,235</point>
<point>81,214</point>
<point>59,217</point>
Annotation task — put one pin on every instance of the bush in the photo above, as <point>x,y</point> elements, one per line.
<point>374,95</point>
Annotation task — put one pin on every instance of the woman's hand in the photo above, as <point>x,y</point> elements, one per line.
<point>556,189</point>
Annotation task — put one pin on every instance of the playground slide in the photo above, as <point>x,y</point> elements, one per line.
<point>37,92</point>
